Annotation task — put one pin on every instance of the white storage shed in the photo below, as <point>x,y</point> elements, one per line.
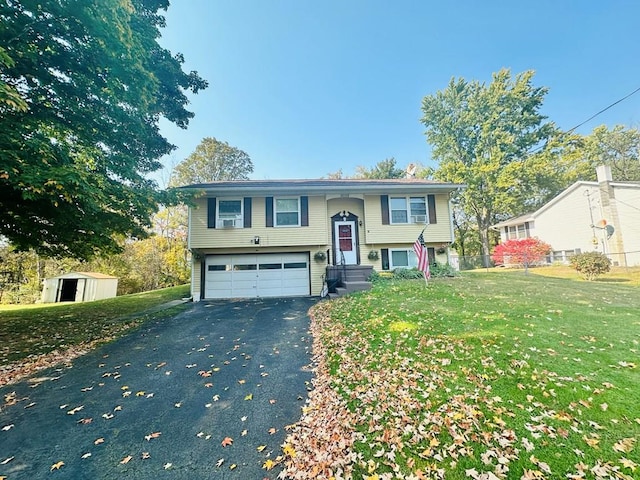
<point>79,287</point>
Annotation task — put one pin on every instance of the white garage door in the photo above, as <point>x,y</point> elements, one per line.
<point>263,275</point>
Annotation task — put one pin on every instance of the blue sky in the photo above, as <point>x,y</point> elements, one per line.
<point>307,88</point>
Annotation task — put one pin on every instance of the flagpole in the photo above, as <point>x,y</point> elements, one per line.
<point>424,273</point>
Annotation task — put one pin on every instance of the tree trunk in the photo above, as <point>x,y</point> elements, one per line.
<point>483,233</point>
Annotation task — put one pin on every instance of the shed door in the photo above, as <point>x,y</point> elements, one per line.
<point>68,290</point>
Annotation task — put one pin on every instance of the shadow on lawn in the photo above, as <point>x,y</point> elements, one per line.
<point>612,280</point>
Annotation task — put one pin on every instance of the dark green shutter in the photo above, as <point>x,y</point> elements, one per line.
<point>247,212</point>
<point>211,212</point>
<point>431,201</point>
<point>431,255</point>
<point>304,211</point>
<point>384,206</point>
<point>268,201</point>
<point>385,258</point>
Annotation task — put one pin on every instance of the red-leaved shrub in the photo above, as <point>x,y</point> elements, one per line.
<point>525,251</point>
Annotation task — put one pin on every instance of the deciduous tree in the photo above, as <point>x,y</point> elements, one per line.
<point>381,170</point>
<point>481,136</point>
<point>83,85</point>
<point>619,148</point>
<point>212,160</point>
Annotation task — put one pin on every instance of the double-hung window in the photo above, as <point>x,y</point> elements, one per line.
<point>230,213</point>
<point>287,212</point>
<point>517,231</point>
<point>408,209</point>
<point>402,258</point>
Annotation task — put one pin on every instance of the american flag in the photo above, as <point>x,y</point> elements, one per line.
<point>423,256</point>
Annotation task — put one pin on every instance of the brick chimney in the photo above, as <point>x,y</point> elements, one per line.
<point>610,212</point>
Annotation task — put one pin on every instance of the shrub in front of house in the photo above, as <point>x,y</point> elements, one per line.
<point>525,252</point>
<point>443,270</point>
<point>436,270</point>
<point>591,264</point>
<point>407,273</point>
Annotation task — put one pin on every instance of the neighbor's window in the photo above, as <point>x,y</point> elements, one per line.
<point>402,258</point>
<point>287,212</point>
<point>230,213</point>
<point>516,231</point>
<point>522,231</point>
<point>408,209</point>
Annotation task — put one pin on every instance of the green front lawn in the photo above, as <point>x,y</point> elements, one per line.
<point>489,375</point>
<point>27,332</point>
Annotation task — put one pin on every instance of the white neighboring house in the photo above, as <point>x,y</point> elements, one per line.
<point>601,216</point>
<point>79,287</point>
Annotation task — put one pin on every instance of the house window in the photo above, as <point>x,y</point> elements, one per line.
<point>230,213</point>
<point>522,233</point>
<point>402,258</point>
<point>408,209</point>
<point>287,212</point>
<point>516,231</point>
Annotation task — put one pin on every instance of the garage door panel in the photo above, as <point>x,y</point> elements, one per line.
<point>270,275</point>
<point>292,289</point>
<point>261,275</point>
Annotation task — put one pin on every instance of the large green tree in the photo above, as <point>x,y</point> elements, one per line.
<point>618,147</point>
<point>212,160</point>
<point>482,136</point>
<point>83,84</point>
<point>382,170</point>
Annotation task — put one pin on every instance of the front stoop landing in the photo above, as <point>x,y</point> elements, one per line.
<point>354,278</point>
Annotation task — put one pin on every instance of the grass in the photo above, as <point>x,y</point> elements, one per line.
<point>623,275</point>
<point>492,373</point>
<point>30,331</point>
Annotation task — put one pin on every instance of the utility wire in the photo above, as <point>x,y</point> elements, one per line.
<point>540,147</point>
<point>604,110</point>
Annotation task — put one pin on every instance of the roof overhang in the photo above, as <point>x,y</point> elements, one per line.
<point>323,186</point>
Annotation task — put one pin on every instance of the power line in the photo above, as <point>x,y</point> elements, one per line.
<point>604,110</point>
<point>540,147</point>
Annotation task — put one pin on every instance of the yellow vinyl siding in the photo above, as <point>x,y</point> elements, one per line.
<point>376,232</point>
<point>196,269</point>
<point>201,237</point>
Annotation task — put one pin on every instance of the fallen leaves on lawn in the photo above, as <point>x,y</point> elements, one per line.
<point>415,406</point>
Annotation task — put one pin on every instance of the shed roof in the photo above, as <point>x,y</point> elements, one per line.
<point>95,275</point>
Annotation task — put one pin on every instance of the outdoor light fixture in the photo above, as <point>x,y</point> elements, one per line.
<point>256,240</point>
<point>344,214</point>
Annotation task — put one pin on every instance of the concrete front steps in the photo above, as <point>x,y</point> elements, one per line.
<point>351,278</point>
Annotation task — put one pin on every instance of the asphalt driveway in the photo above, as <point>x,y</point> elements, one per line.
<point>206,394</point>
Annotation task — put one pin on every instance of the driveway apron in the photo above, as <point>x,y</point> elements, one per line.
<point>206,394</point>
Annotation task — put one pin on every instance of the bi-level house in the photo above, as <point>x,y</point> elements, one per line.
<point>263,238</point>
